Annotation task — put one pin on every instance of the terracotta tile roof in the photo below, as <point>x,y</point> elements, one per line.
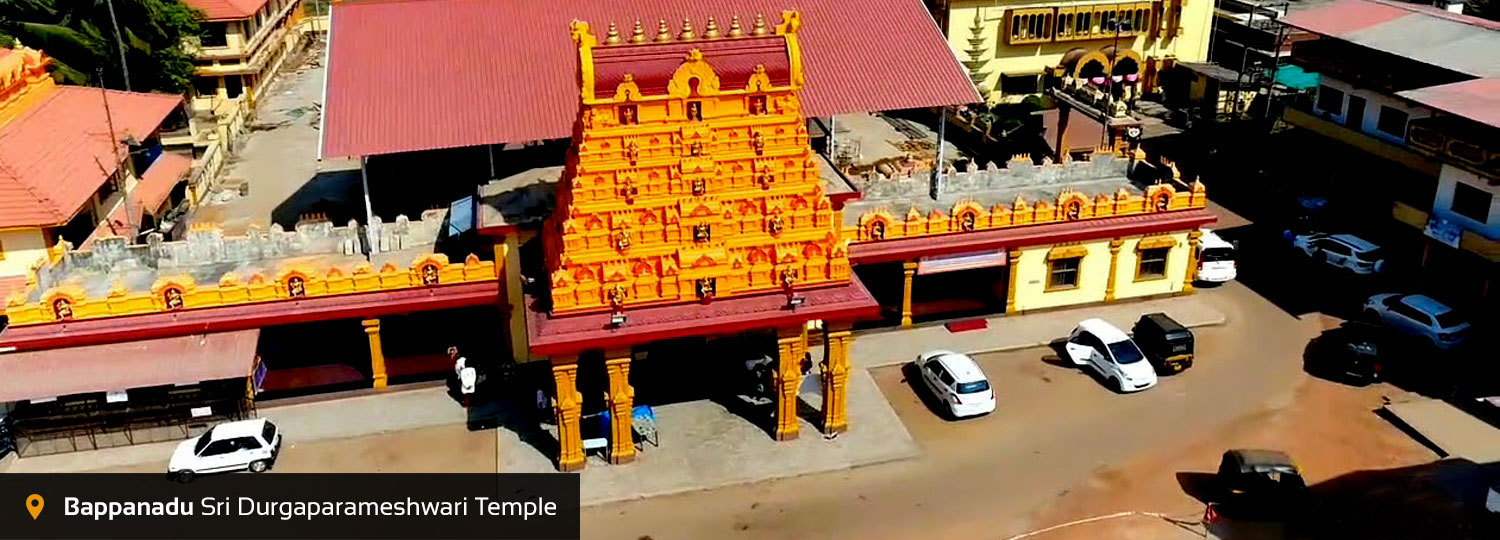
<point>122,366</point>
<point>154,187</point>
<point>54,156</point>
<point>1477,99</point>
<point>224,10</point>
<point>416,75</point>
<point>1461,43</point>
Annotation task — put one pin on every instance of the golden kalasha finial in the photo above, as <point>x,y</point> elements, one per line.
<point>712,30</point>
<point>687,31</point>
<point>734,27</point>
<point>639,34</point>
<point>613,37</point>
<point>760,26</point>
<point>663,32</point>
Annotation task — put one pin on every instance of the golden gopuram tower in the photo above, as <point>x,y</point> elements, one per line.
<point>690,178</point>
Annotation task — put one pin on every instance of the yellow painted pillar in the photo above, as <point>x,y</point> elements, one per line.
<point>1114,266</point>
<point>1014,261</point>
<point>910,270</point>
<point>569,405</point>
<point>508,256</point>
<point>621,402</point>
<point>791,345</point>
<point>836,378</point>
<point>1192,261</point>
<point>377,355</point>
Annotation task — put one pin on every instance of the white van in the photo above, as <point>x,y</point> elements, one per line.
<point>1215,258</point>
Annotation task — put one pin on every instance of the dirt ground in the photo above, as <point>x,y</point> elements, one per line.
<point>440,449</point>
<point>1317,429</point>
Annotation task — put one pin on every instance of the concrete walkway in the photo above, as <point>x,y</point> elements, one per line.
<point>704,446</point>
<point>1452,430</point>
<point>354,416</point>
<point>892,347</point>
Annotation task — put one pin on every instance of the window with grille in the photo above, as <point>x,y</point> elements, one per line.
<point>1152,263</point>
<point>1063,273</point>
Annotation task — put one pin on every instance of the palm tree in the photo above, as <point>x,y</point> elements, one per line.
<point>80,37</point>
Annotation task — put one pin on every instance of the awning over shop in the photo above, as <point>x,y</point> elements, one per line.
<point>122,366</point>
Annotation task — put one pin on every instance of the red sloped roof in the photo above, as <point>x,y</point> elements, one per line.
<point>1475,99</point>
<point>155,185</point>
<point>123,366</point>
<point>406,75</point>
<point>223,10</point>
<point>54,156</point>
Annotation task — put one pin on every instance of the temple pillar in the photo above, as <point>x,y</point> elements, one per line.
<point>1014,273</point>
<point>1114,266</point>
<point>1192,261</point>
<point>791,345</point>
<point>621,402</point>
<point>1059,146</point>
<point>836,345</point>
<point>377,354</point>
<point>909,270</point>
<point>508,256</point>
<point>569,406</point>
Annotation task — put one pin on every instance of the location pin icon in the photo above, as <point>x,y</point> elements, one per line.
<point>34,505</point>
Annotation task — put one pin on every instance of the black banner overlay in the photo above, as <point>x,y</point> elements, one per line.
<point>292,506</point>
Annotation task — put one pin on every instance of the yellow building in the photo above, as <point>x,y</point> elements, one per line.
<point>1011,47</point>
<point>63,175</point>
<point>243,44</point>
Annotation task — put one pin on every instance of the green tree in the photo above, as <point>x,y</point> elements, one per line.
<point>80,37</point>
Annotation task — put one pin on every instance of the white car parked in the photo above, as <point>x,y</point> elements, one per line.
<point>956,380</point>
<point>232,446</point>
<point>1112,354</point>
<point>1342,251</point>
<point>1215,259</point>
<point>1419,315</point>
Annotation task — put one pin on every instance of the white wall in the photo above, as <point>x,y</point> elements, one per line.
<point>1374,100</point>
<point>1442,204</point>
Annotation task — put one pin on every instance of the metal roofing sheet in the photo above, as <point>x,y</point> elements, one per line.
<point>1477,99</point>
<point>415,75</point>
<point>123,366</point>
<point>1425,34</point>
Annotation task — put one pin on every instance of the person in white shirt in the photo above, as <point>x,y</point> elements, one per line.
<point>466,380</point>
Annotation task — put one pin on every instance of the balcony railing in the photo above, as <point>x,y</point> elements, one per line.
<point>1448,140</point>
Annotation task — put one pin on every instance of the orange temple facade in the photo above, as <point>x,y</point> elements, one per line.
<point>692,177</point>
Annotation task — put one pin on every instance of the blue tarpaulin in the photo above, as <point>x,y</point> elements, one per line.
<point>1292,76</point>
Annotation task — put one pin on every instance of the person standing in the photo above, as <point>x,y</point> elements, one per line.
<point>467,379</point>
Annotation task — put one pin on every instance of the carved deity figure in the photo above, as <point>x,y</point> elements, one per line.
<point>695,111</point>
<point>63,309</point>
<point>296,287</point>
<point>966,223</point>
<point>877,230</point>
<point>429,275</point>
<point>173,298</point>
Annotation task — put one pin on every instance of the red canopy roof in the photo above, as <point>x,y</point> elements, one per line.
<point>225,10</point>
<point>1476,99</point>
<point>54,156</point>
<point>123,366</point>
<point>416,75</point>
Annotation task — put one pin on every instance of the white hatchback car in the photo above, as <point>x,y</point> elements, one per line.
<point>1342,251</point>
<point>1112,354</point>
<point>251,445</point>
<point>956,380</point>
<point>1419,315</point>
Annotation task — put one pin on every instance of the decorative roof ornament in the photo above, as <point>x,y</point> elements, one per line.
<point>639,34</point>
<point>712,30</point>
<point>760,26</point>
<point>687,30</point>
<point>613,37</point>
<point>663,32</point>
<point>734,27</point>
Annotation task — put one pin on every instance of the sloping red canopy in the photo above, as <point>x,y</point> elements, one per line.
<point>1476,99</point>
<point>226,10</point>
<point>57,154</point>
<point>123,366</point>
<point>407,75</point>
<point>153,189</point>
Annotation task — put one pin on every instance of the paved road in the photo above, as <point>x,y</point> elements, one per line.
<point>1054,429</point>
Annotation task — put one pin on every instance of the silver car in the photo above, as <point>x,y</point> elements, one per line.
<point>1419,315</point>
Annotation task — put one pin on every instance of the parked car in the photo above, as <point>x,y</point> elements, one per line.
<point>1260,482</point>
<point>957,381</point>
<point>251,445</point>
<point>1099,345</point>
<point>1354,352</point>
<point>1419,315</point>
<point>1342,251</point>
<point>1167,344</point>
<point>1215,259</point>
